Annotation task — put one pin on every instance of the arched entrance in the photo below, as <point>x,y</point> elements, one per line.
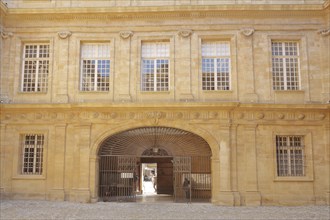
<point>179,156</point>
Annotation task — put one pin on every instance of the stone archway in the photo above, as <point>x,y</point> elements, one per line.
<point>130,145</point>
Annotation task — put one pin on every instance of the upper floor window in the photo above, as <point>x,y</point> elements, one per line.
<point>95,67</point>
<point>216,65</point>
<point>35,67</point>
<point>290,155</point>
<point>32,153</point>
<point>155,66</point>
<point>285,65</point>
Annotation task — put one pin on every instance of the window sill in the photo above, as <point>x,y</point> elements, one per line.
<point>290,91</point>
<point>293,179</point>
<point>155,92</point>
<point>29,177</point>
<point>32,93</point>
<point>217,91</point>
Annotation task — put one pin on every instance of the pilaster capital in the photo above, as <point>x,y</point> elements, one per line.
<point>6,35</point>
<point>324,32</point>
<point>247,32</point>
<point>64,34</point>
<point>125,34</point>
<point>185,33</point>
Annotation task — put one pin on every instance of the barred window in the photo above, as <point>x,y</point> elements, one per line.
<point>95,67</point>
<point>155,66</point>
<point>216,65</point>
<point>32,153</point>
<point>285,65</point>
<point>35,68</point>
<point>290,155</point>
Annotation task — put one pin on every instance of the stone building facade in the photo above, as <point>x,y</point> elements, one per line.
<point>244,82</point>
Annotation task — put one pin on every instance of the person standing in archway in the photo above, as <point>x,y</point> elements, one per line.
<point>186,188</point>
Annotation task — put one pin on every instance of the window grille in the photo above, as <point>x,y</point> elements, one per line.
<point>35,68</point>
<point>216,66</point>
<point>32,150</point>
<point>285,65</point>
<point>290,155</point>
<point>95,67</point>
<point>155,66</point>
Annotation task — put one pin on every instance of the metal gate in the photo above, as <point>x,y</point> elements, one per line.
<point>192,178</point>
<point>117,178</point>
<point>181,179</point>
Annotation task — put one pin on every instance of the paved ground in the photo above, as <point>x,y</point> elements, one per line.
<point>29,209</point>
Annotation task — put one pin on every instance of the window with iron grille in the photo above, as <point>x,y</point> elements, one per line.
<point>95,67</point>
<point>35,68</point>
<point>155,66</point>
<point>216,65</point>
<point>285,65</point>
<point>32,153</point>
<point>290,155</point>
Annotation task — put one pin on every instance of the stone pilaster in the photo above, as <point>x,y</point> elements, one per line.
<point>57,190</point>
<point>226,196</point>
<point>252,195</point>
<point>62,71</point>
<point>123,67</point>
<point>327,160</point>
<point>80,179</point>
<point>183,82</point>
<point>94,180</point>
<point>246,82</point>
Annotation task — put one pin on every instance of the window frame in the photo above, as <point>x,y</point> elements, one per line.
<point>37,60</point>
<point>154,61</point>
<point>35,146</point>
<point>95,85</point>
<point>307,134</point>
<point>285,65</point>
<point>286,148</point>
<point>215,73</point>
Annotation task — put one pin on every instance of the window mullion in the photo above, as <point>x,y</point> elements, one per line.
<point>215,81</point>
<point>155,74</point>
<point>35,153</point>
<point>95,75</point>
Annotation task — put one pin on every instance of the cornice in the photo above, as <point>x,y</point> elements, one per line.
<point>163,11</point>
<point>3,8</point>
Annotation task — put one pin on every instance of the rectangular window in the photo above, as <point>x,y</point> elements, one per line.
<point>285,65</point>
<point>290,155</point>
<point>155,66</point>
<point>95,67</point>
<point>216,65</point>
<point>35,68</point>
<point>32,153</point>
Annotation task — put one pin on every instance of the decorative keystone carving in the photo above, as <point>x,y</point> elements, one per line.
<point>185,33</point>
<point>324,32</point>
<point>64,34</point>
<point>5,35</point>
<point>125,34</point>
<point>247,31</point>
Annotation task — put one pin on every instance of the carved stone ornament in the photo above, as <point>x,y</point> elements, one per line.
<point>324,32</point>
<point>185,33</point>
<point>247,31</point>
<point>64,34</point>
<point>5,35</point>
<point>125,34</point>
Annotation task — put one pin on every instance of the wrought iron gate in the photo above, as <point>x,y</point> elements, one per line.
<point>117,178</point>
<point>181,179</point>
<point>192,178</point>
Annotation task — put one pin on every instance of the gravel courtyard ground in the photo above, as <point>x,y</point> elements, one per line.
<point>30,209</point>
